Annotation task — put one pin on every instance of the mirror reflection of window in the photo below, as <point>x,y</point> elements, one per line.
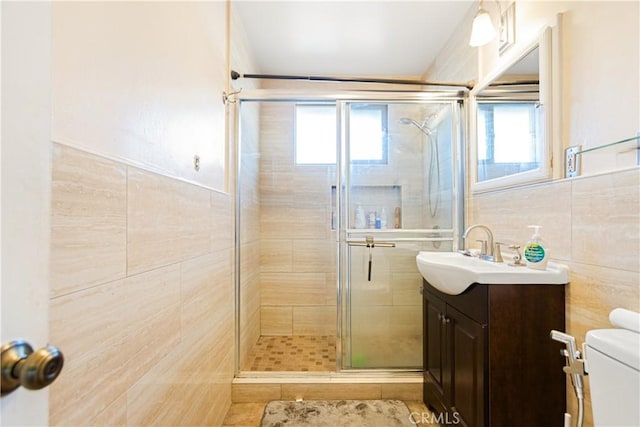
<point>507,138</point>
<point>514,118</point>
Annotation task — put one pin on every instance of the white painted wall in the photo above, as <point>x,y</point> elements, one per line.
<point>112,64</point>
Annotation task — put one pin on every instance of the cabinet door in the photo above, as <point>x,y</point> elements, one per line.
<point>434,352</point>
<point>468,367</point>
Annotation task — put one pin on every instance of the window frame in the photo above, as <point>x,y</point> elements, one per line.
<point>384,141</point>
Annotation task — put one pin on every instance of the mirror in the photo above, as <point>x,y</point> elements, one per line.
<point>510,135</point>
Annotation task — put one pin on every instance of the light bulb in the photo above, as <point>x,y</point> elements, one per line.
<point>482,31</point>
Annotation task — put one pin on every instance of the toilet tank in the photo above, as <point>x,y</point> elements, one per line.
<point>613,364</point>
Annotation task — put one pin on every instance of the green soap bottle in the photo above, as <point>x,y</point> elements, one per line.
<point>536,253</point>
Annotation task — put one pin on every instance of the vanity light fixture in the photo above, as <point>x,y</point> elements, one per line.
<point>482,30</point>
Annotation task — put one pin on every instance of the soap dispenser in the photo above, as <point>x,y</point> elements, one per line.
<point>535,252</point>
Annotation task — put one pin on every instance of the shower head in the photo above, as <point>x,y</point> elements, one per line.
<point>422,126</point>
<point>408,121</point>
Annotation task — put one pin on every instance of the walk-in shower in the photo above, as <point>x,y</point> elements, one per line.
<point>335,197</point>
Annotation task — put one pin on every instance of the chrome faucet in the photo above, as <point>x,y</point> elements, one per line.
<point>486,252</point>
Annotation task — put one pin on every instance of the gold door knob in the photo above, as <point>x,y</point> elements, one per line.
<point>21,366</point>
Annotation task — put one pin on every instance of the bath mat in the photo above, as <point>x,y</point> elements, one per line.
<point>336,413</point>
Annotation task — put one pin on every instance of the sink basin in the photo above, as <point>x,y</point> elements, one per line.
<point>453,272</point>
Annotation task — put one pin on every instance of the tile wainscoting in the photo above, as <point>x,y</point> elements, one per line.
<point>141,296</point>
<point>592,224</point>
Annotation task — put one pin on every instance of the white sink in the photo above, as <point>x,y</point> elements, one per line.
<point>453,272</point>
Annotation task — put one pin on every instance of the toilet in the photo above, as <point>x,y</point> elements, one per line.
<point>612,360</point>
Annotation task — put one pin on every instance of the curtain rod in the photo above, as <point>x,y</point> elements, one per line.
<point>235,76</point>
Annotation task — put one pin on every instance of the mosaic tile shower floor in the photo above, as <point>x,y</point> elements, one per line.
<point>293,353</point>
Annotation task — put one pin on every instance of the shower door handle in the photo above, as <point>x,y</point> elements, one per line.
<point>370,244</point>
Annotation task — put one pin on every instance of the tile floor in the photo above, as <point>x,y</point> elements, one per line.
<point>293,353</point>
<point>250,414</point>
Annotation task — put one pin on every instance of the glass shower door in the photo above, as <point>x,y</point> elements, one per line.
<point>398,172</point>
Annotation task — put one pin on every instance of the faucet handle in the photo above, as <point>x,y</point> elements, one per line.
<point>517,258</point>
<point>497,252</point>
<point>483,246</point>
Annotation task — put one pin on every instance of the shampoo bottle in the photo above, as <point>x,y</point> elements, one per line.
<point>535,252</point>
<point>359,220</point>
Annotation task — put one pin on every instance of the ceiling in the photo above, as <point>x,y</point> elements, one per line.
<point>350,37</point>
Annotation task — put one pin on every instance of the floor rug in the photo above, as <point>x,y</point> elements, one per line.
<point>336,413</point>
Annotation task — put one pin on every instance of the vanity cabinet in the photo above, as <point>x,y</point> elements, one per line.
<point>488,358</point>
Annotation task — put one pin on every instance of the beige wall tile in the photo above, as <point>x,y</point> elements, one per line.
<point>152,318</point>
<point>362,324</point>
<point>187,388</point>
<point>276,255</point>
<point>606,220</point>
<point>88,220</point>
<point>292,289</point>
<point>595,291</point>
<point>314,320</point>
<point>140,314</point>
<point>114,416</point>
<point>406,281</point>
<point>331,289</point>
<point>276,320</point>
<point>206,290</point>
<point>244,414</point>
<point>407,297</point>
<point>330,391</point>
<point>249,223</point>
<point>168,221</point>
<point>509,212</point>
<point>311,256</point>
<point>243,393</point>
<point>249,297</point>
<point>401,391</point>
<point>222,222</point>
<point>90,326</point>
<point>294,222</point>
<point>377,294</point>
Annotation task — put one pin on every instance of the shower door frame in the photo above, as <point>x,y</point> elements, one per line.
<point>457,98</point>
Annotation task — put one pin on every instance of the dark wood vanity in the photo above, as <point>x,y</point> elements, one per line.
<point>488,357</point>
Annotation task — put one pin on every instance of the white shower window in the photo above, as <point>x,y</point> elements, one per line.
<point>315,134</point>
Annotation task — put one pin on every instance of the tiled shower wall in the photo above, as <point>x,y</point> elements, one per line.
<point>141,296</point>
<point>297,254</point>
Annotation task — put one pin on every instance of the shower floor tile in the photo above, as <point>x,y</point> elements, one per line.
<point>293,353</point>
